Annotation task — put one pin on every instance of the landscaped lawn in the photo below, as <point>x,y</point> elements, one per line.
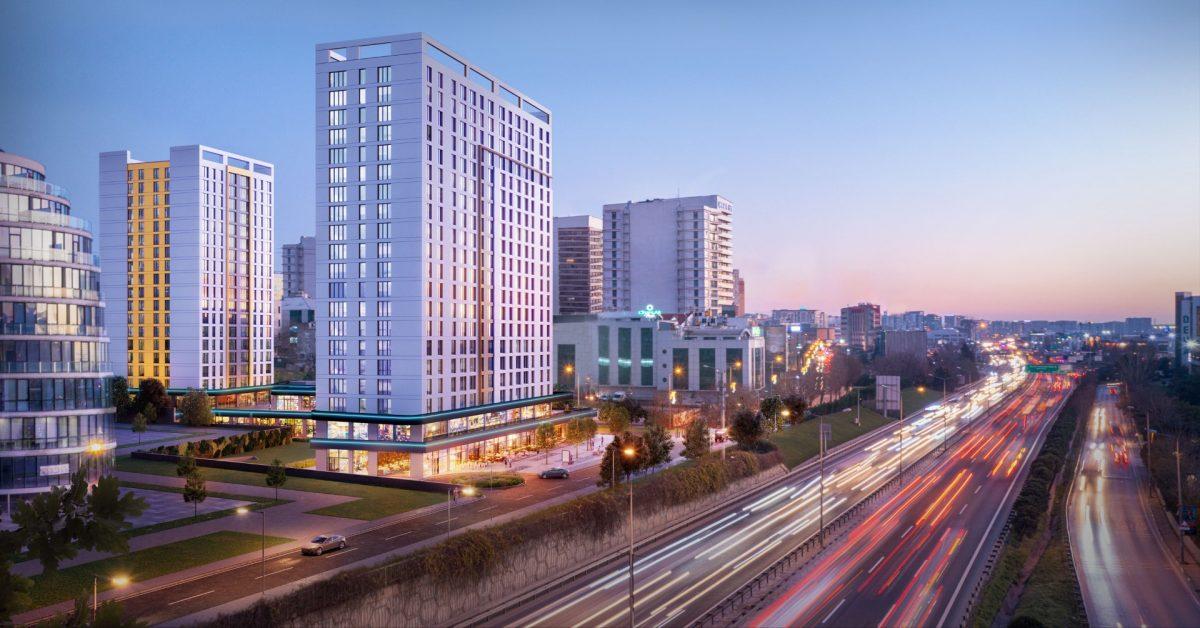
<point>375,502</point>
<point>287,454</point>
<point>143,565</point>
<point>799,443</point>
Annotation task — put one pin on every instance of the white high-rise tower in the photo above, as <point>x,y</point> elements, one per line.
<point>434,244</point>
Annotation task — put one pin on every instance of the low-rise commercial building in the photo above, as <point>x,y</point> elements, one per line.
<point>648,357</point>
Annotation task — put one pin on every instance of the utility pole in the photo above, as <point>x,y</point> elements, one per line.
<point>823,434</point>
<point>1179,496</point>
<point>858,405</point>
<point>724,384</point>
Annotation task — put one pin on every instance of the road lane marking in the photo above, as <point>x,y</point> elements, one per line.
<point>488,508</point>
<point>875,565</point>
<point>963,509</point>
<point>340,553</point>
<point>272,573</point>
<point>835,609</point>
<point>396,536</point>
<point>906,532</point>
<point>977,489</point>
<point>190,597</point>
<point>524,497</point>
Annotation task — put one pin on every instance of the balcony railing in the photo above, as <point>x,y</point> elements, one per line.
<point>46,218</point>
<point>26,329</point>
<point>51,255</point>
<point>30,184</point>
<point>39,444</point>
<point>54,367</point>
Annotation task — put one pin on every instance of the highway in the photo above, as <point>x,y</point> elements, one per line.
<point>1126,575</point>
<point>678,578</point>
<point>912,562</point>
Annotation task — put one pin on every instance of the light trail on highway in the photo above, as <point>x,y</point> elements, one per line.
<point>681,577</point>
<point>908,564</point>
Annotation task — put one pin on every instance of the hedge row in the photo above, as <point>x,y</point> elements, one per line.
<point>1034,498</point>
<point>475,554</point>
<point>232,445</point>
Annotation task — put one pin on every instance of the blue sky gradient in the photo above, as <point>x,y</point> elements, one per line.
<point>1005,160</point>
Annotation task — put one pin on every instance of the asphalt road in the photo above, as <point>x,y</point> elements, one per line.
<point>184,598</point>
<point>912,562</point>
<point>1126,575</point>
<point>678,578</point>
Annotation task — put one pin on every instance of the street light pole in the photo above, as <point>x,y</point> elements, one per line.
<point>900,458</point>
<point>724,384</point>
<point>1179,496</point>
<point>629,452</point>
<point>821,483</point>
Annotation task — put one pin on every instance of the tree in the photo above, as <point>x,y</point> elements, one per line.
<point>196,409</point>
<point>56,524</point>
<point>796,406</point>
<point>616,416</point>
<point>194,491</point>
<point>611,466</point>
<point>119,390</point>
<point>544,439</point>
<point>276,476</point>
<point>140,420</point>
<point>772,409</point>
<point>696,442</point>
<point>747,428</point>
<point>151,392</point>
<point>14,589</point>
<point>107,516</point>
<point>186,465</point>
<point>658,445</point>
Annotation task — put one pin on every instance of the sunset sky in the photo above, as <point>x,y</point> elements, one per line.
<point>1008,160</point>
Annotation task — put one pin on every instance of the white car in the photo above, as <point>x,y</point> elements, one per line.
<point>323,543</point>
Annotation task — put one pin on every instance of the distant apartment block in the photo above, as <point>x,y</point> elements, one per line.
<point>914,342</point>
<point>187,249</point>
<point>299,268</point>
<point>806,318</point>
<point>860,325</point>
<point>674,254</point>
<point>739,293</point>
<point>578,265</point>
<point>1187,330</point>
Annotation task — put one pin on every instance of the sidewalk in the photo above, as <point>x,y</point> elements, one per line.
<point>534,463</point>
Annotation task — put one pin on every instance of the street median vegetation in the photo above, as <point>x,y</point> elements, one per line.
<point>1033,582</point>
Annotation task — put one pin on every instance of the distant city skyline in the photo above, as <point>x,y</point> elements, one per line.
<point>1009,162</point>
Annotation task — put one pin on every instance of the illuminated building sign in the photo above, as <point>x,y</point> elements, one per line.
<point>650,312</point>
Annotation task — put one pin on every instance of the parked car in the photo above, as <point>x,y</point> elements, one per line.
<point>323,543</point>
<point>619,396</point>
<point>557,473</point>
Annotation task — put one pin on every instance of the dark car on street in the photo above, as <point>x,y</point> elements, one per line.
<point>557,473</point>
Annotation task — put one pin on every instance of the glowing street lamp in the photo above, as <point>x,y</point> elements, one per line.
<point>242,510</point>
<point>117,581</point>
<point>629,452</point>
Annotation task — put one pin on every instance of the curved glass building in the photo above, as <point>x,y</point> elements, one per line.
<point>55,412</point>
